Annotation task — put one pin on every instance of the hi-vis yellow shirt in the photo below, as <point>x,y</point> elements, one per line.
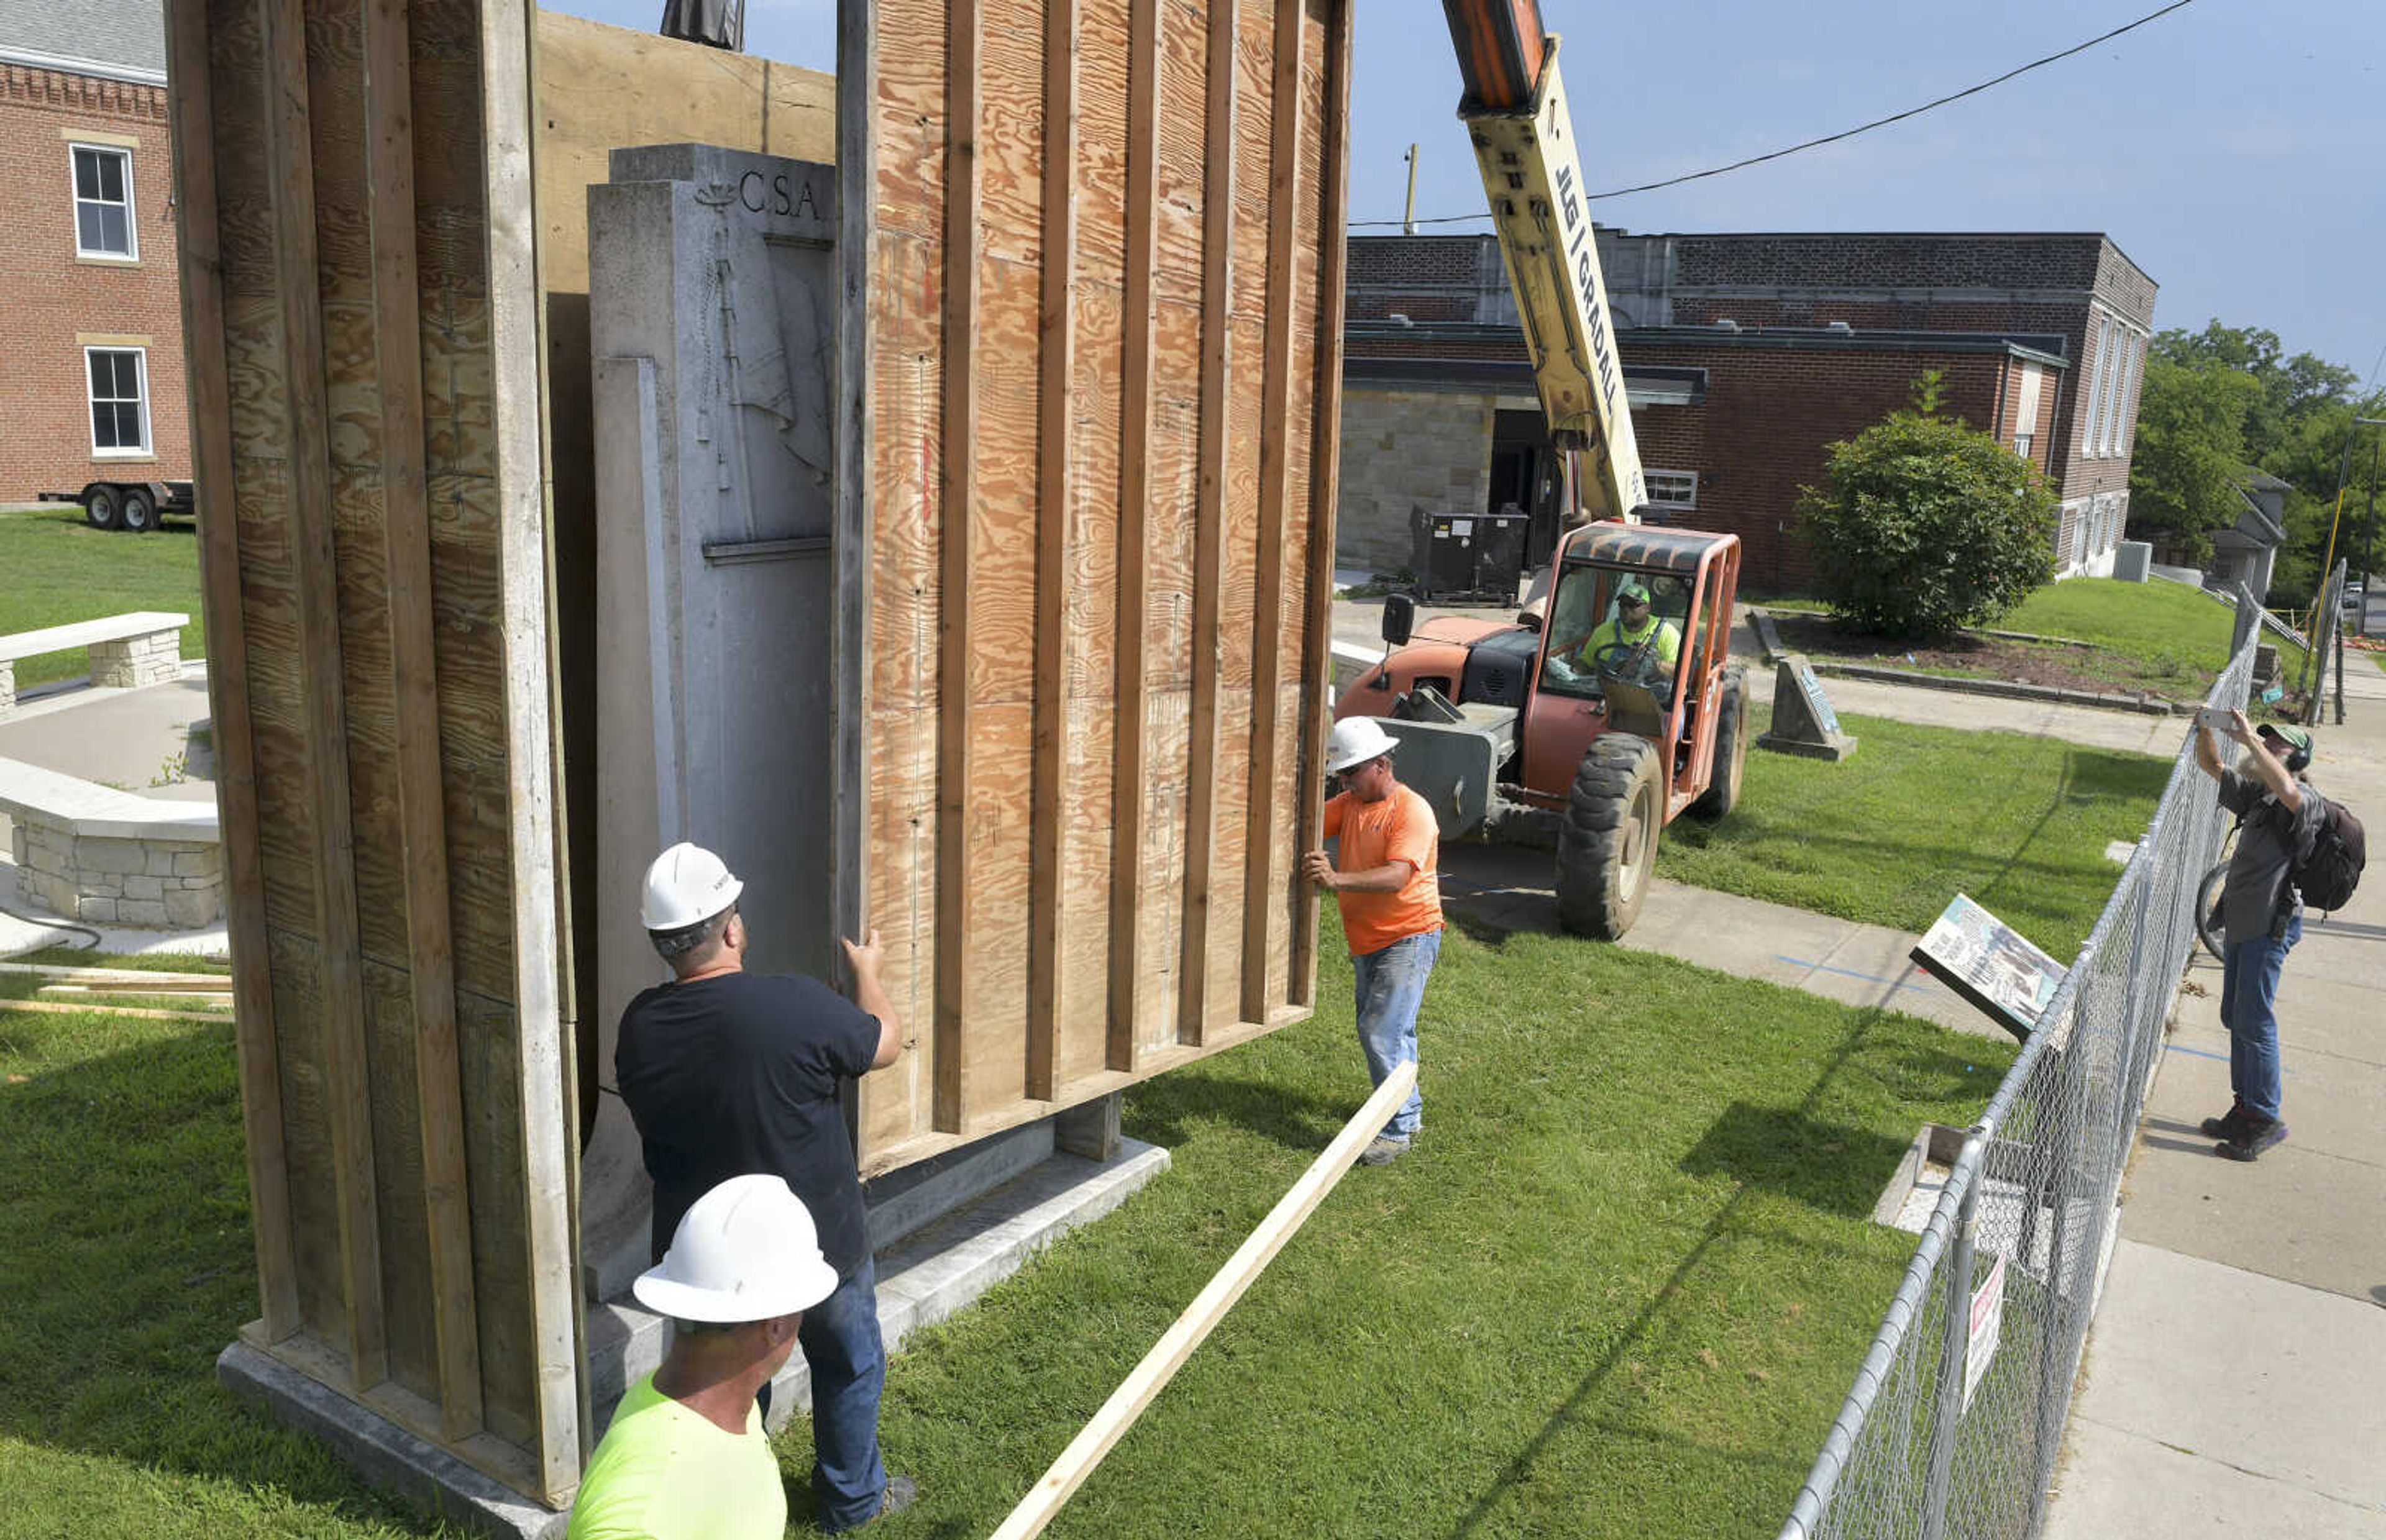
<point>667,1472</point>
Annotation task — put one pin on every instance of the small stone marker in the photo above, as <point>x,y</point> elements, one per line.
<point>1803,721</point>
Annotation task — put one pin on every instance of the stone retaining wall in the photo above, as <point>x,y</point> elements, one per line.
<point>169,885</point>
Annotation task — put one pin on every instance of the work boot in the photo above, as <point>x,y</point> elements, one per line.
<point>901,1493</point>
<point>2253,1136</point>
<point>1383,1152</point>
<point>2226,1125</point>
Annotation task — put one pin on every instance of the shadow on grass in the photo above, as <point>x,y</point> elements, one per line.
<point>127,1263</point>
<point>1162,1111</point>
<point>1825,1166</point>
<point>1578,1408</point>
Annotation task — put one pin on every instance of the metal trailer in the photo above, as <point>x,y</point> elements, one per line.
<point>133,506</point>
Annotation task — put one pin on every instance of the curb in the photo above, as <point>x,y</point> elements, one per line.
<point>2010,691</point>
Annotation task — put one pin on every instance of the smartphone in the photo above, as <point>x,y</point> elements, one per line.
<point>2209,717</point>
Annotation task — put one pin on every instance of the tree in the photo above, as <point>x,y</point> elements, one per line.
<point>2187,476</point>
<point>1926,525</point>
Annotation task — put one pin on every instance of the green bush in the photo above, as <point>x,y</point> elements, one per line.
<point>1925,525</point>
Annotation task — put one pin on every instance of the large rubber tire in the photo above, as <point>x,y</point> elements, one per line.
<point>101,508</point>
<point>1607,843</point>
<point>1730,748</point>
<point>2210,927</point>
<point>140,515</point>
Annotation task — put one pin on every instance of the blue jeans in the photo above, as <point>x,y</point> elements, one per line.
<point>2249,998</point>
<point>1389,986</point>
<point>841,1344</point>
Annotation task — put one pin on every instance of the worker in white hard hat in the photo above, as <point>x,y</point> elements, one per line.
<point>728,1071</point>
<point>686,1457</point>
<point>1387,842</point>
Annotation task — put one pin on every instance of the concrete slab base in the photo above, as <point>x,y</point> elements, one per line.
<point>423,1474</point>
<point>932,1272</point>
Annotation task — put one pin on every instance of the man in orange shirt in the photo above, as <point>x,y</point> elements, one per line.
<point>1391,906</point>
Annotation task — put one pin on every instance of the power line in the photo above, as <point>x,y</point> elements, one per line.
<point>1835,138</point>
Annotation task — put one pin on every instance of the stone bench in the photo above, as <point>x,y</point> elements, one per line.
<point>103,857</point>
<point>126,651</point>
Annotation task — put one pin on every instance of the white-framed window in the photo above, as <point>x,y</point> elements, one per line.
<point>2091,438</point>
<point>103,202</point>
<point>2025,400</point>
<point>1672,489</point>
<point>119,378</point>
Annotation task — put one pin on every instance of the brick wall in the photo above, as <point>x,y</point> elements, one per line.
<point>1404,449</point>
<point>1769,421</point>
<point>48,297</point>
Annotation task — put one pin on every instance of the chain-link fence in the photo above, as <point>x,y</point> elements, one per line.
<point>1957,1414</point>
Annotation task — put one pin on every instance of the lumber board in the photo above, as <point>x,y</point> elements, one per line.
<point>1128,811</point>
<point>218,998</point>
<point>1191,1328</point>
<point>1205,659</point>
<point>1054,498</point>
<point>1262,868</point>
<point>81,1007</point>
<point>1308,784</point>
<point>345,1101</point>
<point>404,488</point>
<point>956,510</point>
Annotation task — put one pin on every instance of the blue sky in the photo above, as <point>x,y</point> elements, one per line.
<point>2233,149</point>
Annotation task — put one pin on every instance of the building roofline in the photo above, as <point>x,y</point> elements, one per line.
<point>34,58</point>
<point>2016,345</point>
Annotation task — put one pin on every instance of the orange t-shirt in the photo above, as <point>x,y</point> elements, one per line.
<point>1400,828</point>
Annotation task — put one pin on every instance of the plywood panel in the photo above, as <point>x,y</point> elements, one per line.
<point>1164,413</point>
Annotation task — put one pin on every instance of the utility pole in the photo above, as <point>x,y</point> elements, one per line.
<point>1408,218</point>
<point>2369,545</point>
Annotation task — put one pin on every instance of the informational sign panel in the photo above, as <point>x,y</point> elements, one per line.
<point>1982,958</point>
<point>1988,1324</point>
<point>1816,702</point>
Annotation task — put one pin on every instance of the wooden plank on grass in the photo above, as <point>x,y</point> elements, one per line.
<point>1276,505</point>
<point>347,1109</point>
<point>79,1008</point>
<point>405,533</point>
<point>1210,1307</point>
<point>1326,461</point>
<point>955,512</point>
<point>1128,814</point>
<point>209,391</point>
<point>1054,495</point>
<point>1207,662</point>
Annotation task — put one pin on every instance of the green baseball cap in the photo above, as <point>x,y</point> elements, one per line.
<point>2294,737</point>
<point>1632,593</point>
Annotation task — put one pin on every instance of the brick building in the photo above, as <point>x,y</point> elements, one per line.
<point>90,315</point>
<point>1745,356</point>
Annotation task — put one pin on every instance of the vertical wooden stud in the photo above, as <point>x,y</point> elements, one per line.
<point>1261,892</point>
<point>347,1109</point>
<point>191,98</point>
<point>1128,814</point>
<point>389,154</point>
<point>956,517</point>
<point>1324,489</point>
<point>1054,497</point>
<point>1207,661</point>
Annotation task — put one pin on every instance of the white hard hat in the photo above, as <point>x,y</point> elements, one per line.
<point>744,1251</point>
<point>687,885</point>
<point>1354,741</point>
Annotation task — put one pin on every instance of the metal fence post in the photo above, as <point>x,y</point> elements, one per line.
<point>1955,1341</point>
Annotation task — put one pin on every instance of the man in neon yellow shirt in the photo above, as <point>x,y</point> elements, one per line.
<point>1634,626</point>
<point>685,1458</point>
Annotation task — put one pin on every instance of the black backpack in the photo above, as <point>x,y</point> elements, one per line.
<point>2328,875</point>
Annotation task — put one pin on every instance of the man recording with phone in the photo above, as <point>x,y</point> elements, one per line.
<point>2262,915</point>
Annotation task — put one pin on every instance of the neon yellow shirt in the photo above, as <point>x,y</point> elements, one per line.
<point>668,1473</point>
<point>1668,646</point>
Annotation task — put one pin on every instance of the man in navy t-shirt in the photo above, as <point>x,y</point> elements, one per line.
<point>731,1073</point>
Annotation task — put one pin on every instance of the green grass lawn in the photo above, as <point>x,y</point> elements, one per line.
<point>60,569</point>
<point>1620,1287</point>
<point>2142,622</point>
<point>1888,835</point>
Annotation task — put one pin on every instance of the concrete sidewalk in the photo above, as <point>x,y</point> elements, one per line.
<point>2236,1372</point>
